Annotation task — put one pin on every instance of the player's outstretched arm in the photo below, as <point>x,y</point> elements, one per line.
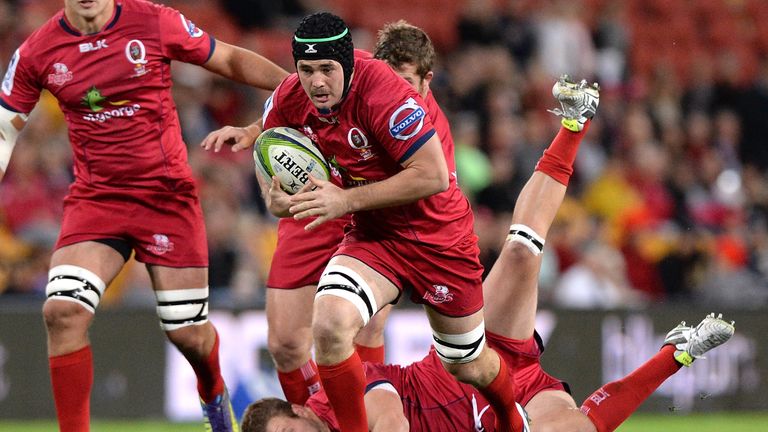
<point>11,123</point>
<point>245,66</point>
<point>385,411</point>
<point>239,138</point>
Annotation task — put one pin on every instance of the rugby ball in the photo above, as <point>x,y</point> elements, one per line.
<point>290,156</point>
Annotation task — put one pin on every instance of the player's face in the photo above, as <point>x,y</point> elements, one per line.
<point>408,72</point>
<point>322,80</point>
<point>89,15</point>
<point>292,424</point>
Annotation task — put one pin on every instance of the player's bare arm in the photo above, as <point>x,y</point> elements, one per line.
<point>238,138</point>
<point>242,65</point>
<point>11,123</point>
<point>385,411</point>
<point>424,174</point>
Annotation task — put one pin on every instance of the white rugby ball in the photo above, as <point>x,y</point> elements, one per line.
<point>290,156</point>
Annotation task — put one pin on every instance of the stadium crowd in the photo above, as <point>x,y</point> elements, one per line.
<point>669,200</point>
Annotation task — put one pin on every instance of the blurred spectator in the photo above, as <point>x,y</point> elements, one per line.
<point>669,199</point>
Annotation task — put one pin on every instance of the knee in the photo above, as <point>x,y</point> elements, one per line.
<point>190,339</point>
<point>521,257</point>
<point>64,315</point>
<point>289,348</point>
<point>335,324</point>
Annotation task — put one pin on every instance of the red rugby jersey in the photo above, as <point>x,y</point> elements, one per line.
<point>381,123</point>
<point>114,88</point>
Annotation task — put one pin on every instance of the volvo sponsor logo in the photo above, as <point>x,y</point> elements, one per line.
<point>407,120</point>
<point>191,28</point>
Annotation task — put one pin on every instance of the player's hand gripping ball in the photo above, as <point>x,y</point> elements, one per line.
<point>290,156</point>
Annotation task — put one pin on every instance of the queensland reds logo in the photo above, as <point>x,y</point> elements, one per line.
<point>358,141</point>
<point>407,120</point>
<point>61,74</point>
<point>136,53</point>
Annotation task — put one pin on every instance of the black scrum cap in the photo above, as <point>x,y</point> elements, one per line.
<point>322,36</point>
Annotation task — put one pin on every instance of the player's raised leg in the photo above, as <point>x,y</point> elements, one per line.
<point>511,287</point>
<point>78,276</point>
<point>614,402</point>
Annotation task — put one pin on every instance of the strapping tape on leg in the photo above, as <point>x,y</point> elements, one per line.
<point>461,348</point>
<point>344,282</point>
<point>75,284</point>
<point>524,234</point>
<point>182,308</point>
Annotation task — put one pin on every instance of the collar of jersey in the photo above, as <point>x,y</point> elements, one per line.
<point>67,28</point>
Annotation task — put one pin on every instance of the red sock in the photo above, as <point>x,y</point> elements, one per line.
<point>344,384</point>
<point>370,354</point>
<point>614,402</point>
<point>557,160</point>
<point>72,380</point>
<point>501,395</point>
<point>299,384</point>
<point>210,383</point>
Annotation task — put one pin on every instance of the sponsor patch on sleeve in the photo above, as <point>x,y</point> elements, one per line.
<point>10,74</point>
<point>407,120</point>
<point>190,27</point>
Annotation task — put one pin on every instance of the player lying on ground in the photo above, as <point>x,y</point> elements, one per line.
<point>424,397</point>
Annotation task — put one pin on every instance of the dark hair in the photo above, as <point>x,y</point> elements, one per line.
<point>258,414</point>
<point>321,36</point>
<point>401,42</point>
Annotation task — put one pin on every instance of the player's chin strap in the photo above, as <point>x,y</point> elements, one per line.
<point>524,234</point>
<point>9,121</point>
<point>341,281</point>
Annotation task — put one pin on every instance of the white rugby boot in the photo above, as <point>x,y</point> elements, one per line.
<point>578,102</point>
<point>692,343</point>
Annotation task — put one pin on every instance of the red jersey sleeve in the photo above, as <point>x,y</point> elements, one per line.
<point>272,116</point>
<point>21,87</point>
<point>182,40</point>
<point>395,112</point>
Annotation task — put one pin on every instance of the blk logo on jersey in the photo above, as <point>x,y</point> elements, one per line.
<point>90,46</point>
<point>61,74</point>
<point>407,120</point>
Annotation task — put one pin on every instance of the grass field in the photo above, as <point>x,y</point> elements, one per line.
<point>732,422</point>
